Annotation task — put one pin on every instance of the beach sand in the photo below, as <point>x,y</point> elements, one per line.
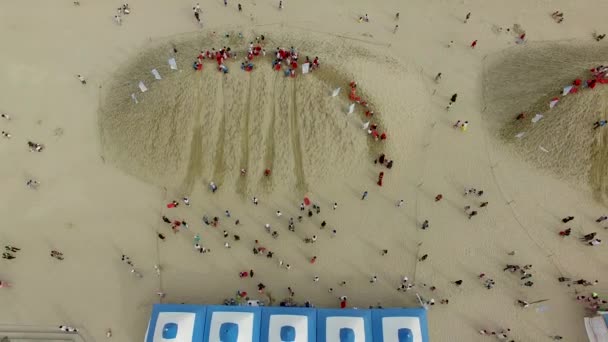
<point>109,167</point>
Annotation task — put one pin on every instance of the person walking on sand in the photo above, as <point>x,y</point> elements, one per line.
<point>255,200</point>
<point>464,126</point>
<point>425,224</point>
<point>601,218</point>
<point>472,213</point>
<point>437,78</point>
<point>396,28</point>
<point>599,124</point>
<point>197,14</point>
<point>450,43</point>
<point>473,44</point>
<point>240,8</point>
<point>12,248</point>
<point>567,219</point>
<point>453,98</point>
<point>458,282</point>
<point>57,255</point>
<point>400,204</point>
<point>280,4</point>
<point>8,256</point>
<point>424,257</point>
<point>81,79</point>
<point>438,197</point>
<point>467,17</point>
<point>364,195</point>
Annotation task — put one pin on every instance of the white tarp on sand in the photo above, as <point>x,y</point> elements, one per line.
<point>156,74</point>
<point>172,63</point>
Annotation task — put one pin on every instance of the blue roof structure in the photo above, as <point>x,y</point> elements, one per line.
<point>288,324</point>
<point>344,325</point>
<point>170,322</point>
<point>212,323</point>
<point>400,325</point>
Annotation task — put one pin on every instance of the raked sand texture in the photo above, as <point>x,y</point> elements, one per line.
<point>110,167</point>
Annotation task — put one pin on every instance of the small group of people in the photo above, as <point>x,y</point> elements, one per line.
<point>591,240</point>
<point>383,160</point>
<point>220,57</point>
<point>364,18</point>
<point>524,273</point>
<point>372,128</point>
<point>9,252</point>
<point>289,59</point>
<point>558,16</point>
<point>599,37</point>
<point>35,147</point>
<point>593,302</point>
<point>122,10</point>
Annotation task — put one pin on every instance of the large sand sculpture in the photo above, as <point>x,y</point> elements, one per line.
<point>525,80</point>
<point>196,127</point>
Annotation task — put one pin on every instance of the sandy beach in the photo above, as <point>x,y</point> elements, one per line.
<point>110,166</point>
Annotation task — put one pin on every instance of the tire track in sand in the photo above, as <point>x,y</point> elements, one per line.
<point>296,144</point>
<point>269,154</point>
<point>241,187</point>
<point>218,162</point>
<point>195,161</point>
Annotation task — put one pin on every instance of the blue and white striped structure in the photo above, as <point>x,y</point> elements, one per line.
<point>202,323</point>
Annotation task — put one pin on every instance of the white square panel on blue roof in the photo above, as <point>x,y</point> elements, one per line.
<point>176,323</point>
<point>344,325</point>
<point>288,324</point>
<point>232,324</point>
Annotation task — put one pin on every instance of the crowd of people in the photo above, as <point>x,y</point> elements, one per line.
<point>285,60</point>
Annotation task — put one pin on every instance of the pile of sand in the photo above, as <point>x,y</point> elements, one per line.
<point>205,126</point>
<point>525,79</point>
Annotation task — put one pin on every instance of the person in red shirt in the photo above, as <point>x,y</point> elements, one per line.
<point>380,177</point>
<point>383,136</point>
<point>473,44</point>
